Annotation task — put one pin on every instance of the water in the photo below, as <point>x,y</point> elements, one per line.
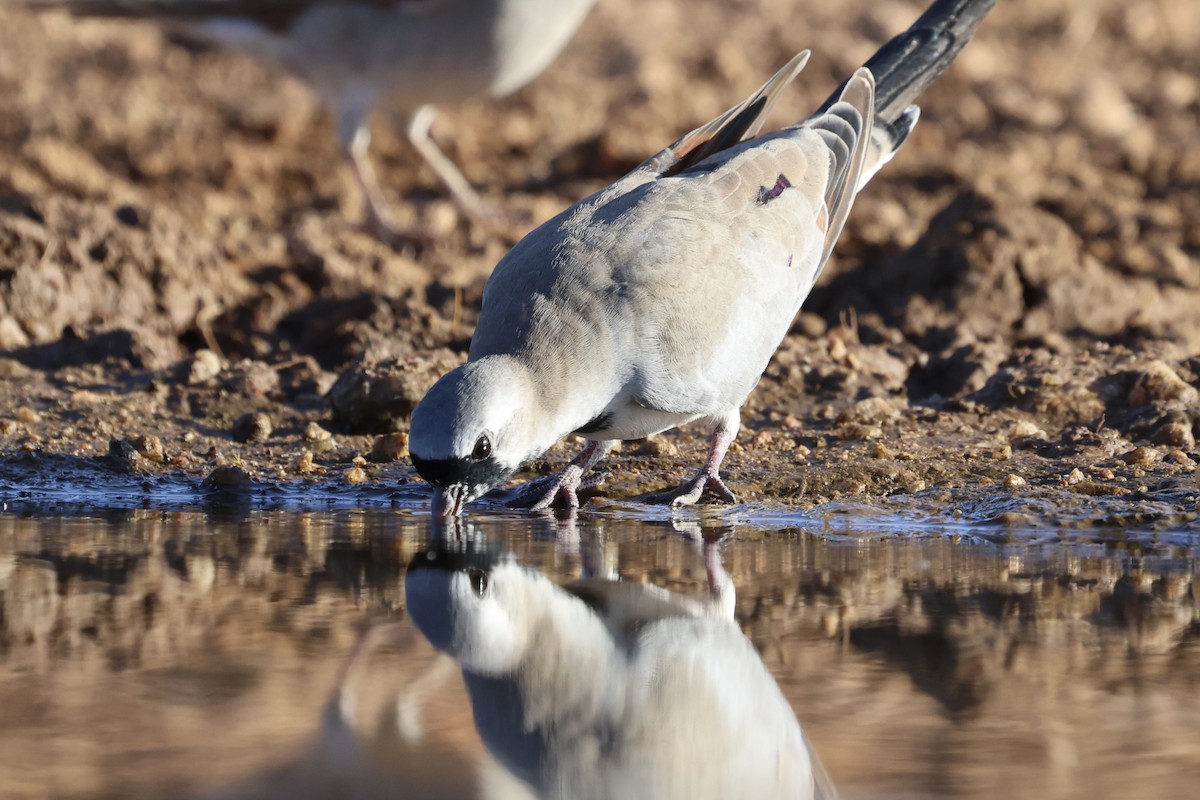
<point>268,653</point>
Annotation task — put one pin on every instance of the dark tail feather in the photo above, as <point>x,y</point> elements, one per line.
<point>905,66</point>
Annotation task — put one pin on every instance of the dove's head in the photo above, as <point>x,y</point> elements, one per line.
<point>470,431</point>
<point>478,607</point>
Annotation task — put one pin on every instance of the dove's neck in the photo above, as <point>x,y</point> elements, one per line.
<point>569,685</point>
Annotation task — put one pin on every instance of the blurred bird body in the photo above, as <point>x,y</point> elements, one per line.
<point>660,299</point>
<point>354,53</point>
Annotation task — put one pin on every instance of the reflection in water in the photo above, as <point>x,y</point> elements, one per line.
<point>151,654</point>
<point>604,689</point>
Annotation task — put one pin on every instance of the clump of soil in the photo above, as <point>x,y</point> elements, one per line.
<point>1011,310</point>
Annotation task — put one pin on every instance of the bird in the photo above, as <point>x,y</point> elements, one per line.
<point>660,299</point>
<point>416,54</point>
<point>609,689</point>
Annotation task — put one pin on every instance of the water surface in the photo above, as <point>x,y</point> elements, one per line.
<point>267,653</point>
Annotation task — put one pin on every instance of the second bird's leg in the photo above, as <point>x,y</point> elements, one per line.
<point>378,218</point>
<point>544,491</point>
<point>464,195</point>
<point>709,476</point>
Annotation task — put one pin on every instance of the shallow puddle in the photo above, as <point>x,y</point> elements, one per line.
<point>269,653</point>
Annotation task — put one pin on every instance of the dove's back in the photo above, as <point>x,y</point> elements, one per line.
<point>662,298</point>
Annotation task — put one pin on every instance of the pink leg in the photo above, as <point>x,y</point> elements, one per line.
<point>378,220</point>
<point>709,476</point>
<point>543,492</point>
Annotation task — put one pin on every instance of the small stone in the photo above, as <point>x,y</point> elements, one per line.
<point>879,451</point>
<point>227,476</point>
<point>150,448</point>
<point>1074,477</point>
<point>355,475</point>
<point>305,465</point>
<point>1175,434</point>
<point>1179,457</point>
<point>204,366</point>
<point>1103,473</point>
<point>27,415</point>
<point>389,447</point>
<point>1159,382</point>
<point>1014,480</point>
<point>315,433</point>
<point>916,486</point>
<point>253,427</point>
<point>189,437</point>
<point>871,411</point>
<point>122,456</point>
<point>655,446</point>
<point>762,439</point>
<point>1141,456</point>
<point>1026,429</point>
<point>1003,452</point>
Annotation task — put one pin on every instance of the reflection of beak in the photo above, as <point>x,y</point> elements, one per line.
<point>448,502</point>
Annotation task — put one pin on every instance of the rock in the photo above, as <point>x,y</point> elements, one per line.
<point>389,447</point>
<point>871,411</point>
<point>252,427</point>
<point>150,448</point>
<point>203,367</point>
<point>1141,456</point>
<point>380,397</point>
<point>123,456</point>
<point>1175,434</point>
<point>1158,382</point>
<point>227,476</point>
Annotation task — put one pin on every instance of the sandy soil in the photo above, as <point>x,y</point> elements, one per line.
<point>1009,325</point>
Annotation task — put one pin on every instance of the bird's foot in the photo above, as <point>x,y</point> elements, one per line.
<point>547,492</point>
<point>690,493</point>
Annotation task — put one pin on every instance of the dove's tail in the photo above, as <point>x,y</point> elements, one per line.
<point>909,63</point>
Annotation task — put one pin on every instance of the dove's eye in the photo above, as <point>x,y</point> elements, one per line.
<point>479,580</point>
<point>483,448</point>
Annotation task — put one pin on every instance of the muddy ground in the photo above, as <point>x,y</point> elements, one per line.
<point>1010,325</point>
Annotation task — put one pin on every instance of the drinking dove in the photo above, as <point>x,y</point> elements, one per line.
<point>660,299</point>
<point>415,53</point>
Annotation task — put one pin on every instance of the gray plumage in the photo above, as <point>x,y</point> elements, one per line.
<point>601,689</point>
<point>660,299</point>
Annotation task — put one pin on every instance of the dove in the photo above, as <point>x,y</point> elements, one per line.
<point>604,689</point>
<point>354,53</point>
<point>660,299</point>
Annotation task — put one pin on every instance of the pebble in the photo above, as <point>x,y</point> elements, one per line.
<point>1074,477</point>
<point>227,476</point>
<point>389,447</point>
<point>150,448</point>
<point>355,475</point>
<point>305,465</point>
<point>252,427</point>
<point>1014,480</point>
<point>27,415</point>
<point>122,456</point>
<point>315,433</point>
<point>1141,456</point>
<point>1159,382</point>
<point>1175,434</point>
<point>1025,428</point>
<point>205,365</point>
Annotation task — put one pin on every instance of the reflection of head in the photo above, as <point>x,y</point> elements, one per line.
<point>472,605</point>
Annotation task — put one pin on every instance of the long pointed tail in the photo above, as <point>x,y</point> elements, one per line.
<point>908,64</point>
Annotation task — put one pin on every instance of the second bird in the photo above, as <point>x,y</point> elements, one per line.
<point>660,299</point>
<point>416,53</point>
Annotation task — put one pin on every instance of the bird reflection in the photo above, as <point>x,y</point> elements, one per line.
<point>602,689</point>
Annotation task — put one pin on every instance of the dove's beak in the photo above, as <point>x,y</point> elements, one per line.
<point>448,501</point>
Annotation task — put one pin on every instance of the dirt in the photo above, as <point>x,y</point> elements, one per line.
<point>1008,329</point>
